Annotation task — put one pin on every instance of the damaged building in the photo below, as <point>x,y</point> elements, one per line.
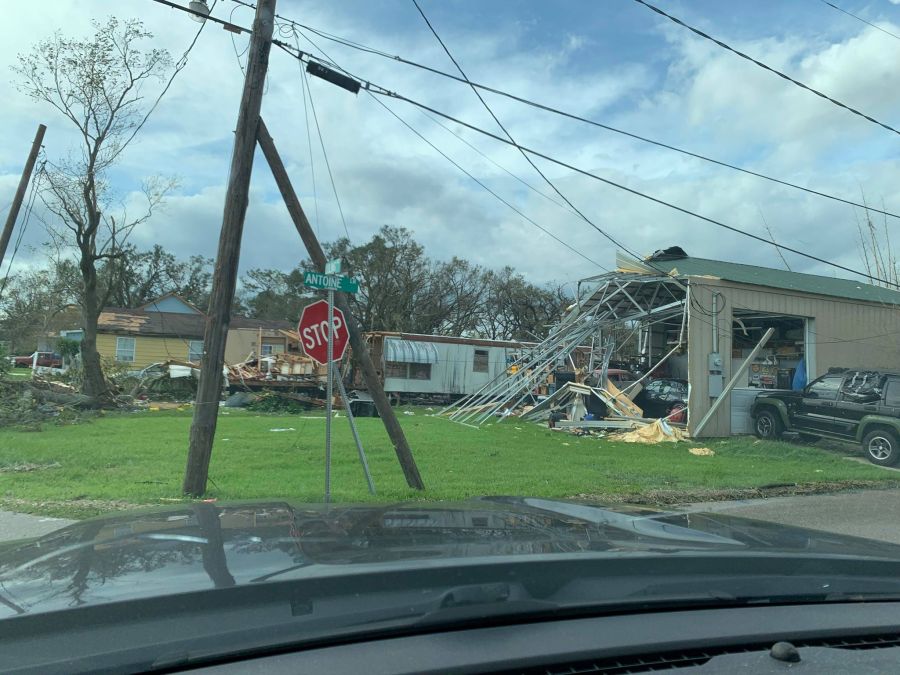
<point>701,320</point>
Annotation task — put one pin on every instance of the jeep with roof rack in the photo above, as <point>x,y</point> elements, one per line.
<point>856,405</point>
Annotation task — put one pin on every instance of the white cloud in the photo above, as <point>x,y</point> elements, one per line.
<point>706,99</point>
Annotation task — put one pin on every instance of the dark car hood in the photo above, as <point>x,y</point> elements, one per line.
<point>201,546</point>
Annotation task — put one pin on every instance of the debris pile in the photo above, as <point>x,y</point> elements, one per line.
<point>280,369</point>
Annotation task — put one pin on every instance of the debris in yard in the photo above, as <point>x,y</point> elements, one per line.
<point>288,429</point>
<point>24,467</point>
<point>240,399</point>
<point>657,432</point>
<point>701,452</point>
<point>283,402</point>
<point>408,412</point>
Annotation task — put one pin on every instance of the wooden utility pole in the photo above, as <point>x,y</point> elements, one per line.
<point>357,341</point>
<point>209,388</point>
<point>20,191</point>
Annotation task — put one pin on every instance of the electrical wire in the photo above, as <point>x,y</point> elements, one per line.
<point>29,207</point>
<point>472,177</point>
<point>485,187</point>
<point>859,18</point>
<point>312,166</point>
<point>585,120</point>
<point>179,66</point>
<point>638,193</point>
<point>762,65</point>
<point>385,92</point>
<point>512,140</point>
<point>337,199</point>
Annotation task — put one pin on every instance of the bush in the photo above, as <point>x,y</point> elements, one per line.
<point>5,365</point>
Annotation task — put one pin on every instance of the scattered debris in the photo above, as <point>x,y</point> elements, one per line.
<point>701,452</point>
<point>24,467</point>
<point>288,429</point>
<point>408,412</point>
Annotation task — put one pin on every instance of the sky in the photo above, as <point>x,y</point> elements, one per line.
<point>613,61</point>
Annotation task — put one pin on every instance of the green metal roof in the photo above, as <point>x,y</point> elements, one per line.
<point>774,278</point>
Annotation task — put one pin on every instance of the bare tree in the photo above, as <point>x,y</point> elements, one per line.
<point>96,84</point>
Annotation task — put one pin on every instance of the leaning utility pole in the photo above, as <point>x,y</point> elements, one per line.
<point>357,341</point>
<point>20,191</point>
<point>206,407</point>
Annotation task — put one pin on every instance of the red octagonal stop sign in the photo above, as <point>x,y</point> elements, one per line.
<point>313,332</point>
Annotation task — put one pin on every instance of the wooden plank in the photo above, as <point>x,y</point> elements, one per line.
<point>623,402</point>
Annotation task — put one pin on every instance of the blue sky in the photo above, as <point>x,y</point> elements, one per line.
<point>614,61</point>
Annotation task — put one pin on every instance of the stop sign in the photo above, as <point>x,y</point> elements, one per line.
<point>313,332</point>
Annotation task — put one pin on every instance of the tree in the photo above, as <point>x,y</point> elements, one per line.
<point>33,300</point>
<point>875,251</point>
<point>134,278</point>
<point>98,85</point>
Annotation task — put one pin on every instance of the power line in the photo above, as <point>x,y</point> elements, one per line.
<point>547,108</point>
<point>29,207</point>
<point>762,65</point>
<point>179,66</point>
<point>485,187</point>
<point>449,159</point>
<point>859,18</point>
<point>312,166</point>
<point>312,105</point>
<point>636,192</point>
<point>369,86</point>
<point>512,140</point>
<point>585,120</point>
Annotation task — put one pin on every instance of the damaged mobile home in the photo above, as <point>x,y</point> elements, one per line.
<point>707,322</point>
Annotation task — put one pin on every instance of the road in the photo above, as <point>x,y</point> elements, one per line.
<point>874,514</point>
<point>22,526</point>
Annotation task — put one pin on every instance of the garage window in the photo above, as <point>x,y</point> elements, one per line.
<point>480,361</point>
<point>125,349</point>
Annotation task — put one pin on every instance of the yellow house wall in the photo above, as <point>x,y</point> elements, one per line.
<point>147,349</point>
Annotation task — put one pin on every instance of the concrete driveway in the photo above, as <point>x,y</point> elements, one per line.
<point>873,514</point>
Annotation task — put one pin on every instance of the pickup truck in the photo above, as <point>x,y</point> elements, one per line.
<point>853,405</point>
<point>44,360</point>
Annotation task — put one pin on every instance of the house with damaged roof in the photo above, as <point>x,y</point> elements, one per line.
<point>170,328</point>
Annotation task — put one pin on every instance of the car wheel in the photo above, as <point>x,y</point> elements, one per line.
<point>882,447</point>
<point>767,425</point>
<point>808,438</point>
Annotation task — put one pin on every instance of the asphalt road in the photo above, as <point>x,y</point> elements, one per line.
<point>21,525</point>
<point>873,514</point>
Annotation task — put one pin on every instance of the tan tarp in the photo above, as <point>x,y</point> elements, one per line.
<point>658,432</point>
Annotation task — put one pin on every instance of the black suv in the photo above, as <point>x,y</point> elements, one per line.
<point>854,405</point>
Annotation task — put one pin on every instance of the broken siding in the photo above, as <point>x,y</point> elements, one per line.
<point>847,333</point>
<point>242,341</point>
<point>147,349</point>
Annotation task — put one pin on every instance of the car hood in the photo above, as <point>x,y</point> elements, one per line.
<point>203,545</point>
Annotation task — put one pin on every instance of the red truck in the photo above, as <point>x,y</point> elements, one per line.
<point>44,360</point>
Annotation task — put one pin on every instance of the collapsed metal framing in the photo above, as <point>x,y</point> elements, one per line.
<point>612,298</point>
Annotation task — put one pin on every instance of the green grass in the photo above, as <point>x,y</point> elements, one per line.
<point>18,374</point>
<point>139,458</point>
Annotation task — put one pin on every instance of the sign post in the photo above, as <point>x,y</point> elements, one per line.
<point>323,335</point>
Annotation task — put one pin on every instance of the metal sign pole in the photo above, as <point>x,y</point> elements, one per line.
<point>359,447</point>
<point>329,395</point>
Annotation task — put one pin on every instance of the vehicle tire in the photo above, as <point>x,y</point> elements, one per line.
<point>882,447</point>
<point>808,438</point>
<point>767,425</point>
<point>677,413</point>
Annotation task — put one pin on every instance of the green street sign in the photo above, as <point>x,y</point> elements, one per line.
<point>330,282</point>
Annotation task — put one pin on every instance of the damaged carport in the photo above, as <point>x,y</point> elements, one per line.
<point>700,320</point>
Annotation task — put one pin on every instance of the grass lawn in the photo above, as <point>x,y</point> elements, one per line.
<point>126,459</point>
<point>19,374</point>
